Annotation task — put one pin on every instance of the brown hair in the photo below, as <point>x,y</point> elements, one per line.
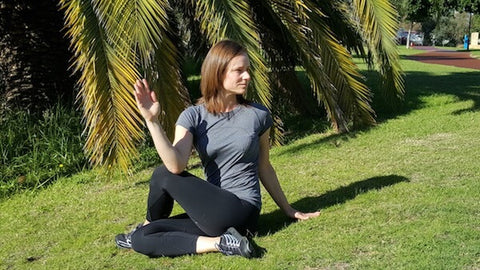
<point>213,72</point>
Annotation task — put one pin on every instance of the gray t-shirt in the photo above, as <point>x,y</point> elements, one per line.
<point>228,145</point>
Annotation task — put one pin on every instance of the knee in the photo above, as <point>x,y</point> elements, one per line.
<point>161,171</point>
<point>159,175</point>
<point>137,240</point>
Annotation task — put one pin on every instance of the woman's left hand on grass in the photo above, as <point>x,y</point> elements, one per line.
<point>303,216</point>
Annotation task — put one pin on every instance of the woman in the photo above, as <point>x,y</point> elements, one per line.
<point>231,136</point>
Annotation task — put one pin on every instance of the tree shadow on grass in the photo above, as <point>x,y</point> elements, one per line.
<point>462,85</point>
<point>275,221</point>
<point>334,139</point>
<point>419,84</point>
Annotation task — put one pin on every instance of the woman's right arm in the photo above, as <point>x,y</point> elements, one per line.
<point>174,156</point>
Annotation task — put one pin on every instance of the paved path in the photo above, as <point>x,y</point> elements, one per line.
<point>445,57</point>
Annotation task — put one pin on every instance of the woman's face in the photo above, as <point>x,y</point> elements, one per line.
<point>236,76</point>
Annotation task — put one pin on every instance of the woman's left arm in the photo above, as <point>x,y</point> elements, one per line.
<point>269,179</point>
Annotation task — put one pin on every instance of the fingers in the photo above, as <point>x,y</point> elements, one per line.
<point>137,85</point>
<point>153,96</point>
<point>305,216</point>
<point>141,87</point>
<point>145,85</point>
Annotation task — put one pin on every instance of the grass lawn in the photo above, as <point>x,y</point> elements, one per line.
<point>475,53</point>
<point>401,195</point>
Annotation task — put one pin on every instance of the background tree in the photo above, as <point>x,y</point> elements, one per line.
<point>475,23</point>
<point>413,11</point>
<point>472,6</point>
<point>116,42</point>
<point>445,21</point>
<point>450,30</point>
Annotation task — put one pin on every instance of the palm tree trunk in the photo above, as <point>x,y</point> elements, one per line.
<point>33,55</point>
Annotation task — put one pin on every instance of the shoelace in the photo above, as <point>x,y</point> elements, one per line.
<point>230,245</point>
<point>128,239</point>
<point>231,241</point>
<point>128,236</point>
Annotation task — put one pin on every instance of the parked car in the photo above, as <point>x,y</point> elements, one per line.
<point>402,37</point>
<point>416,38</point>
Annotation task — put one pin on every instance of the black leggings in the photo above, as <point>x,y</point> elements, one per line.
<point>210,211</point>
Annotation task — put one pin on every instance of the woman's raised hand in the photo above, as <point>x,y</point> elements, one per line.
<point>147,101</point>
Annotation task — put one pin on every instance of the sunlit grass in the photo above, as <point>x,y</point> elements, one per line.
<point>475,53</point>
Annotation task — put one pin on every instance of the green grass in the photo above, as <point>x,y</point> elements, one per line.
<point>401,195</point>
<point>475,53</point>
<point>35,150</point>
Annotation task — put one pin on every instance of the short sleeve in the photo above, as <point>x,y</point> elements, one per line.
<point>187,119</point>
<point>264,116</point>
<point>268,122</point>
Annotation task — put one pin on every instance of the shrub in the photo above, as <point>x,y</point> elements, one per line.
<point>36,150</point>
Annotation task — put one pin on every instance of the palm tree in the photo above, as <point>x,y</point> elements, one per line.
<point>33,56</point>
<point>117,41</point>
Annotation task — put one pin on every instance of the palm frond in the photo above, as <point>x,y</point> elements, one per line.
<point>167,81</point>
<point>378,21</point>
<point>282,60</point>
<point>292,16</point>
<point>112,125</point>
<point>150,25</point>
<point>195,42</point>
<point>111,40</point>
<point>353,95</point>
<point>335,79</point>
<point>341,23</point>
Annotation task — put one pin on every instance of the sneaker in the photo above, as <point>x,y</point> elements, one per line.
<point>233,243</point>
<point>124,240</point>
